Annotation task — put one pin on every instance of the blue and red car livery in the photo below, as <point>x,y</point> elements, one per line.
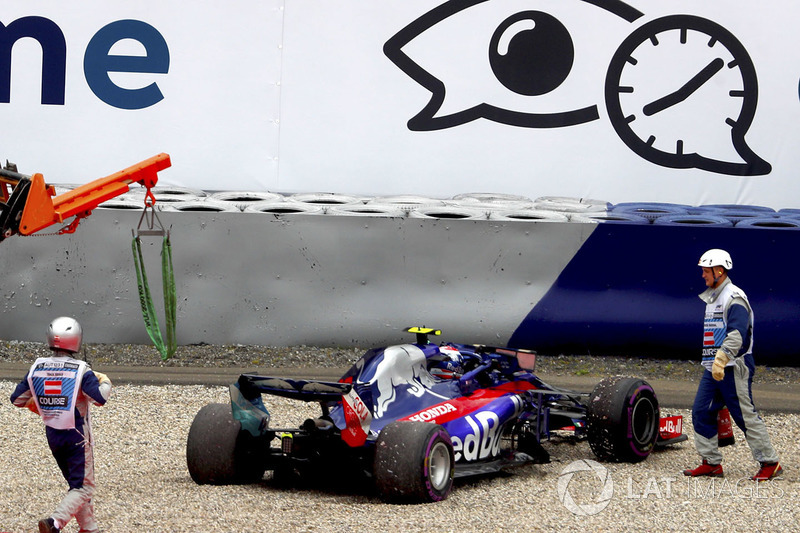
<point>411,429</point>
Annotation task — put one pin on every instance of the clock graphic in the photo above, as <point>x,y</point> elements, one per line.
<point>676,83</point>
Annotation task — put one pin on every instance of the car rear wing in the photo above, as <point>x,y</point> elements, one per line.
<point>307,390</point>
<point>248,408</point>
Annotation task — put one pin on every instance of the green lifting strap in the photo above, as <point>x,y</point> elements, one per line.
<point>148,310</point>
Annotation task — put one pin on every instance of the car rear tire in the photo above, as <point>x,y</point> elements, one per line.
<point>622,419</point>
<point>414,462</point>
<point>218,452</point>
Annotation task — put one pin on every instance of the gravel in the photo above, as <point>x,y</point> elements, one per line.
<point>143,483</point>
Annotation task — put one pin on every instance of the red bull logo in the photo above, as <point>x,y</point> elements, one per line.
<point>483,442</point>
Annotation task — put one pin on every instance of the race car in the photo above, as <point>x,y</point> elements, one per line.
<point>412,417</point>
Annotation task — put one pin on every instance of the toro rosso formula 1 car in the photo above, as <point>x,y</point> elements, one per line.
<point>412,417</point>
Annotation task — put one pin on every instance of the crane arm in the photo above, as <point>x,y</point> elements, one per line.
<point>30,205</point>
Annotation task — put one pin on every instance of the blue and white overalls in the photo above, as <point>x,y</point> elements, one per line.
<point>728,325</point>
<point>63,389</point>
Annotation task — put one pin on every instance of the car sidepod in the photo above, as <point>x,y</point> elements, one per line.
<point>478,424</point>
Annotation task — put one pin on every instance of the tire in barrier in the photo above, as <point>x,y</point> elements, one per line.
<point>531,215</point>
<point>62,188</point>
<point>609,218</point>
<point>622,419</point>
<point>739,207</point>
<point>491,206</point>
<point>491,198</point>
<point>122,204</point>
<point>738,217</point>
<point>284,208</point>
<point>219,453</point>
<point>206,206</point>
<point>448,212</point>
<point>324,199</point>
<point>705,210</point>
<point>779,223</point>
<point>406,202</point>
<point>242,199</point>
<point>414,462</point>
<point>187,193</point>
<point>170,199</point>
<point>693,220</point>
<point>650,212</point>
<point>366,210</point>
<point>665,205</point>
<point>570,205</point>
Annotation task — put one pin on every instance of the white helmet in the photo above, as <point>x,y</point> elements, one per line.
<point>64,333</point>
<point>716,257</point>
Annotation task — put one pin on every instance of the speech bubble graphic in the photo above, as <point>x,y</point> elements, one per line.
<point>526,29</point>
<point>668,72</point>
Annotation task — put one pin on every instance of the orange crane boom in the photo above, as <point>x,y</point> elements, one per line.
<point>30,205</point>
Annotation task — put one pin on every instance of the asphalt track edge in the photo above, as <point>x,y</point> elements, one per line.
<point>675,394</point>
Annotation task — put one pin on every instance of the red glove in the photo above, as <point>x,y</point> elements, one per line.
<point>31,404</point>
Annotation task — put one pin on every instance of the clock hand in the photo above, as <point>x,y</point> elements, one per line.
<point>686,91</point>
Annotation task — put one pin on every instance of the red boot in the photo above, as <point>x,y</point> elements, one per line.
<point>768,471</point>
<point>705,469</point>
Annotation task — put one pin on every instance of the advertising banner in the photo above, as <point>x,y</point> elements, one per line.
<point>681,101</point>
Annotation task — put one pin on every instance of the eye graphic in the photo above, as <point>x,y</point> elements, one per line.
<point>680,89</point>
<point>520,62</point>
<point>531,53</point>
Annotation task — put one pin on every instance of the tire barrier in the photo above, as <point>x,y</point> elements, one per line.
<point>609,218</point>
<point>324,199</point>
<point>693,220</point>
<point>567,204</point>
<point>366,210</point>
<point>770,223</point>
<point>449,212</point>
<point>317,263</point>
<point>531,215</point>
<point>242,199</point>
<point>284,208</point>
<point>650,212</point>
